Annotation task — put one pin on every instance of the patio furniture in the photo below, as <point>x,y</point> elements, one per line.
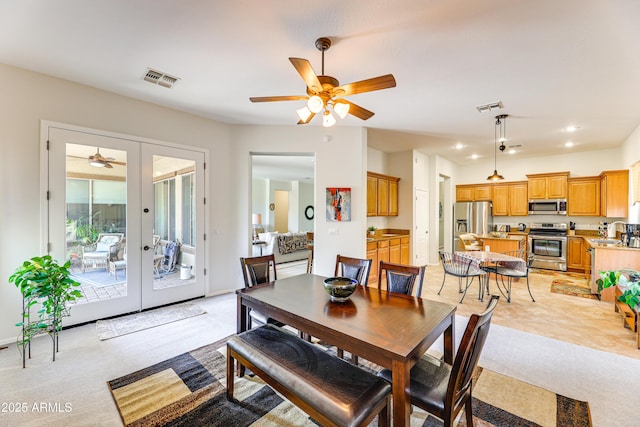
<point>99,254</point>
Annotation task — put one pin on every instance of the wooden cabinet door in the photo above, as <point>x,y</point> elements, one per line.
<point>393,198</point>
<point>372,196</point>
<point>537,188</point>
<point>383,251</point>
<point>614,194</point>
<point>500,200</point>
<point>405,251</point>
<point>557,187</point>
<point>575,253</point>
<point>372,254</point>
<point>518,202</point>
<point>464,193</point>
<point>394,251</point>
<point>483,192</point>
<point>583,196</point>
<point>383,197</point>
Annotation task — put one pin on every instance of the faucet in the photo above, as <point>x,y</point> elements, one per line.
<point>611,229</point>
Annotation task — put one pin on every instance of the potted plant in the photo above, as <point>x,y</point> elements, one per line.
<point>44,283</point>
<point>371,230</point>
<point>629,281</point>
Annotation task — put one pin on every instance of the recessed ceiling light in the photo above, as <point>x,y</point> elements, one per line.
<point>569,144</point>
<point>571,128</point>
<point>511,151</point>
<point>474,156</point>
<point>459,146</point>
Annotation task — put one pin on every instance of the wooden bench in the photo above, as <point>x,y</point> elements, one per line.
<point>332,391</point>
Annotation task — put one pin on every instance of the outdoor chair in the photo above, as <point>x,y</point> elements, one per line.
<point>401,278</point>
<point>509,271</point>
<point>255,271</point>
<point>464,270</point>
<point>105,249</point>
<point>442,389</point>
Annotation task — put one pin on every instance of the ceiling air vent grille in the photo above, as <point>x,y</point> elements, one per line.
<point>159,78</point>
<point>488,107</point>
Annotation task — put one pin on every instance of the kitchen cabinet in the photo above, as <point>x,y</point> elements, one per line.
<point>382,195</point>
<point>510,199</point>
<point>474,192</point>
<point>405,251</point>
<point>614,193</point>
<point>372,254</point>
<point>583,196</point>
<point>576,253</point>
<point>547,185</point>
<point>395,250</point>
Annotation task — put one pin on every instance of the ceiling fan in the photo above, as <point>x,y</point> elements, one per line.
<point>98,161</point>
<point>324,91</point>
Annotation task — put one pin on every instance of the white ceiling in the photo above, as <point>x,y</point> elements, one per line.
<point>552,63</point>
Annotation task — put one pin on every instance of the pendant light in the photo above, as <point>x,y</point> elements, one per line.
<point>496,176</point>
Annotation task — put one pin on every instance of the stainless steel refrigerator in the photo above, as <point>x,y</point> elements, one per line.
<point>471,217</point>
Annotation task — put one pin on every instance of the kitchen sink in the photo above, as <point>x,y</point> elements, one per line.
<point>606,241</point>
<point>389,235</point>
<point>369,239</point>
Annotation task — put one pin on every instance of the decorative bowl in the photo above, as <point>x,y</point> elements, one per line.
<point>340,288</point>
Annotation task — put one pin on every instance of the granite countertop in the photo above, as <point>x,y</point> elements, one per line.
<point>591,241</point>
<point>502,236</point>
<point>382,235</point>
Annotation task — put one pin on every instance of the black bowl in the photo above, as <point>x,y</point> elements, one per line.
<point>340,288</point>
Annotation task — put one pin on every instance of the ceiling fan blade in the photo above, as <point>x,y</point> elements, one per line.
<point>304,122</point>
<point>358,111</point>
<point>277,98</point>
<point>108,165</point>
<point>377,83</point>
<point>117,163</point>
<point>308,75</point>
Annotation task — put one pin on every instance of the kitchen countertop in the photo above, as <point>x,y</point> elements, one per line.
<point>615,246</point>
<point>503,236</point>
<point>382,235</point>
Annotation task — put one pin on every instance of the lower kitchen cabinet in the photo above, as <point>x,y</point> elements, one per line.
<point>576,253</point>
<point>396,250</point>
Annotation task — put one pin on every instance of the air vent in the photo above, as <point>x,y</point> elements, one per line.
<point>159,78</point>
<point>488,107</point>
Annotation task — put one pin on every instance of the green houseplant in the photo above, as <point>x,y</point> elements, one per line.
<point>47,285</point>
<point>629,281</point>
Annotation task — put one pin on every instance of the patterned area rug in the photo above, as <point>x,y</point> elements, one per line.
<point>112,328</point>
<point>190,390</point>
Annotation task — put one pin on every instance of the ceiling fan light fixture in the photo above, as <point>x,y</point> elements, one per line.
<point>304,113</point>
<point>315,104</point>
<point>341,109</point>
<point>327,119</point>
<point>97,163</point>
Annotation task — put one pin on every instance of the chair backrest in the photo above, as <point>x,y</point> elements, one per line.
<point>454,267</point>
<point>109,242</point>
<point>354,268</point>
<point>470,242</point>
<point>257,270</point>
<point>468,354</point>
<point>401,278</point>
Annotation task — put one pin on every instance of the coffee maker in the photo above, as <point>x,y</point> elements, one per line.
<point>631,237</point>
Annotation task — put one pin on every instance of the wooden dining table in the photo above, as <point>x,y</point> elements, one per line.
<point>390,330</point>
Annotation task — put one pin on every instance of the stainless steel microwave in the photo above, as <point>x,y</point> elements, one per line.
<point>548,207</point>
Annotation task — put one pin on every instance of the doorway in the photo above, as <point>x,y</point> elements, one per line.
<point>128,215</point>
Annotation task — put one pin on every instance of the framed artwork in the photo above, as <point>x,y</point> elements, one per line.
<point>338,204</point>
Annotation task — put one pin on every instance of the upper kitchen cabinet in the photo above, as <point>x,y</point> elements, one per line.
<point>583,196</point>
<point>510,199</point>
<point>474,193</point>
<point>614,193</point>
<point>382,195</point>
<point>548,185</point>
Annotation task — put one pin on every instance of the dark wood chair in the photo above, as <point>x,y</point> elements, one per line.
<point>400,278</point>
<point>442,389</point>
<point>354,268</point>
<point>508,271</point>
<point>255,271</point>
<point>462,269</point>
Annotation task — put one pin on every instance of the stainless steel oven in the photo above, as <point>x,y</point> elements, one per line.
<point>548,244</point>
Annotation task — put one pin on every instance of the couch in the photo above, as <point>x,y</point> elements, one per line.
<point>286,247</point>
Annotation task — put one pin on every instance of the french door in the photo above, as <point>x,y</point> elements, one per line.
<point>129,215</point>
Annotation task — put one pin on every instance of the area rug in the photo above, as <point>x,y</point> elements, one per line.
<point>111,328</point>
<point>100,278</point>
<point>578,288</point>
<point>189,389</point>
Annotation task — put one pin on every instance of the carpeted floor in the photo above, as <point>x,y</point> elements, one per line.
<point>190,387</point>
<point>111,328</point>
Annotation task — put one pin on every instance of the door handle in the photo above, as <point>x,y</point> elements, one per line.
<point>146,248</point>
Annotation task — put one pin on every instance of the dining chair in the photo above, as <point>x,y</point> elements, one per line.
<point>510,272</point>
<point>463,270</point>
<point>470,242</point>
<point>257,270</point>
<point>401,278</point>
<point>353,268</point>
<point>443,389</point>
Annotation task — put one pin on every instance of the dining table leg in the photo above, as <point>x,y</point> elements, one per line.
<point>401,390</point>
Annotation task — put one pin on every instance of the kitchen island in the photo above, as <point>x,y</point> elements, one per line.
<point>503,242</point>
<point>610,255</point>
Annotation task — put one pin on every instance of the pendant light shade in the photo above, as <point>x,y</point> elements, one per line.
<point>495,176</point>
